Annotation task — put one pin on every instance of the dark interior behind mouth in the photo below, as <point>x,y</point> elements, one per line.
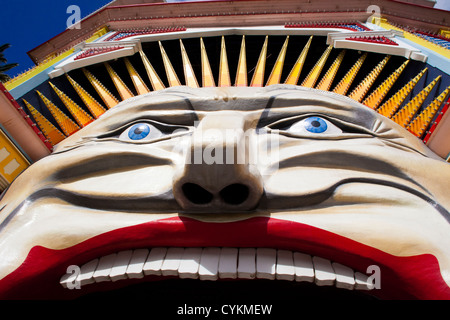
<point>184,290</point>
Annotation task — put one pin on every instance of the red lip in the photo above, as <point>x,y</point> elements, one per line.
<point>414,277</point>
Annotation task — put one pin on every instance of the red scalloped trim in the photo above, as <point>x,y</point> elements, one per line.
<point>143,32</point>
<point>327,25</point>
<point>95,51</point>
<point>373,39</point>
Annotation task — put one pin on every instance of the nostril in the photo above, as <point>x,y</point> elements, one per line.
<point>196,194</point>
<point>235,193</point>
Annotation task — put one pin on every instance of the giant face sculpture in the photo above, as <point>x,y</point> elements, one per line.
<point>290,172</point>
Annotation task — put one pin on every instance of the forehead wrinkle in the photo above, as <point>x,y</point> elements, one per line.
<point>175,112</point>
<point>293,99</point>
<point>287,99</point>
<point>182,105</point>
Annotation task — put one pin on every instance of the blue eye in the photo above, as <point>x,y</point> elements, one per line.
<point>146,132</point>
<point>315,125</point>
<point>139,131</point>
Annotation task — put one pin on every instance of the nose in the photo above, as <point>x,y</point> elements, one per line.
<point>218,175</point>
<point>234,194</point>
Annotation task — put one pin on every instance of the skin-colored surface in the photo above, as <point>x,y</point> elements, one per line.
<point>369,180</point>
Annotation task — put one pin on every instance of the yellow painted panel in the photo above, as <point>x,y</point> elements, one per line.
<point>427,44</point>
<point>36,70</point>
<point>13,161</point>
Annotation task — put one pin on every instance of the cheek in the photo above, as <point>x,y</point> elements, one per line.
<point>306,166</point>
<point>146,181</point>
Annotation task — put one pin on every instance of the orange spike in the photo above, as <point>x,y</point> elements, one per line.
<point>81,116</point>
<point>258,75</point>
<point>224,72</point>
<point>170,71</point>
<point>314,74</point>
<point>155,80</point>
<point>121,87</point>
<point>207,75</point>
<point>189,75</point>
<point>241,74</point>
<point>406,114</point>
<point>275,75</point>
<point>422,121</point>
<point>389,108</point>
<point>139,84</point>
<point>53,135</point>
<point>65,123</point>
<point>93,105</point>
<point>345,83</point>
<point>361,90</point>
<point>294,75</point>
<point>107,97</point>
<point>375,98</point>
<point>327,79</point>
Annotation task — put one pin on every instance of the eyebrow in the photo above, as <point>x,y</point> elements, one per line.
<point>279,107</point>
<point>179,112</point>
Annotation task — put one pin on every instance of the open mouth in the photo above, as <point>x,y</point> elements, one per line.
<point>258,249</point>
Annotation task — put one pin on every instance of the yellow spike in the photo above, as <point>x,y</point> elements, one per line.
<point>345,83</point>
<point>207,75</point>
<point>65,123</point>
<point>422,121</point>
<point>93,105</point>
<point>275,75</point>
<point>224,72</point>
<point>327,79</point>
<point>258,75</point>
<point>389,108</point>
<point>314,74</point>
<point>361,90</point>
<point>155,80</point>
<point>170,71</point>
<point>375,98</point>
<point>139,84</point>
<point>81,116</point>
<point>294,75</point>
<point>107,97</point>
<point>52,133</point>
<point>241,74</point>
<point>121,87</point>
<point>189,75</point>
<point>406,114</point>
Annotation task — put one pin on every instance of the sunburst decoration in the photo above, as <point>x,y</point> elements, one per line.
<point>403,107</point>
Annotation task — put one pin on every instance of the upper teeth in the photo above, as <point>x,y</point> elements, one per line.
<point>212,263</point>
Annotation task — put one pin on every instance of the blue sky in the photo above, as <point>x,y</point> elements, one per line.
<point>26,24</point>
